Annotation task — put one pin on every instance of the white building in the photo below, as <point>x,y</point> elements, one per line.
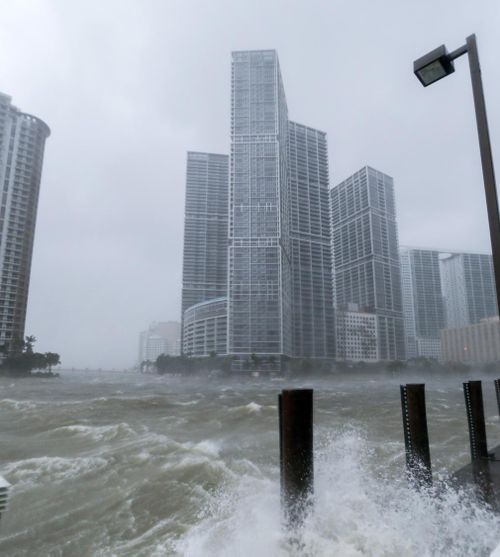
<point>205,328</point>
<point>22,143</point>
<point>204,272</point>
<point>356,335</point>
<point>160,338</point>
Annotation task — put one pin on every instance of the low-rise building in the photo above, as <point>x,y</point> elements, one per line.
<point>205,328</point>
<point>356,335</point>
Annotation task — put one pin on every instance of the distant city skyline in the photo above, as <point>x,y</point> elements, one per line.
<point>128,107</point>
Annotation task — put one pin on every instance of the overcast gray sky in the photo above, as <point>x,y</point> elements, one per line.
<point>128,86</point>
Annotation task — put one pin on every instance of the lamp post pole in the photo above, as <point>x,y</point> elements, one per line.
<point>490,189</point>
<point>431,68</point>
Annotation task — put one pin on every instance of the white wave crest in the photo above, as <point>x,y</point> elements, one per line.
<point>357,512</point>
<point>19,405</point>
<point>50,470</point>
<point>95,433</point>
<point>250,408</point>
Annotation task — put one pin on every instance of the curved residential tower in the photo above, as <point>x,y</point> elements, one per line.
<point>22,142</point>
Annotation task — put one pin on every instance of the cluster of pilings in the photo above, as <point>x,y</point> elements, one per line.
<point>295,408</point>
<point>418,461</point>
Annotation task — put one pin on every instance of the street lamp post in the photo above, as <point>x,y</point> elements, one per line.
<point>431,68</point>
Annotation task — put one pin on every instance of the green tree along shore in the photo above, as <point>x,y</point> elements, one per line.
<point>187,365</point>
<point>23,361</point>
<point>191,365</point>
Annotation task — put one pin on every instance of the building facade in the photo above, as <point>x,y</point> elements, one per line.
<point>204,273</point>
<point>259,295</point>
<point>313,333</point>
<point>366,255</point>
<point>478,343</point>
<point>423,305</point>
<point>22,144</point>
<point>356,335</point>
<point>205,328</point>
<point>468,286</point>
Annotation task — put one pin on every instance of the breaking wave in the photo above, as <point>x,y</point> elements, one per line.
<point>51,470</point>
<point>358,511</point>
<point>94,433</point>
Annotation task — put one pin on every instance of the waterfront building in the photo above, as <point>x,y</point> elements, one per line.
<point>356,335</point>
<point>313,333</point>
<point>468,286</point>
<point>204,273</point>
<point>159,338</point>
<point>478,343</point>
<point>279,265</point>
<point>205,328</point>
<point>259,295</point>
<point>22,143</point>
<point>366,255</point>
<point>423,306</point>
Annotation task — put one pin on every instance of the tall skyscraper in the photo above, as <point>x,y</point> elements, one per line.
<point>366,255</point>
<point>278,301</point>
<point>310,237</point>
<point>423,305</point>
<point>22,143</point>
<point>468,285</point>
<point>259,301</point>
<point>204,275</point>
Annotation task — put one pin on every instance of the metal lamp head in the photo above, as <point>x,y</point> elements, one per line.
<point>433,66</point>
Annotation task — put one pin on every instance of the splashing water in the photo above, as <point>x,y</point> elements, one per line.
<point>358,511</point>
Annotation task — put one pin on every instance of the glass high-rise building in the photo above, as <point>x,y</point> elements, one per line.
<point>22,144</point>
<point>366,254</point>
<point>423,304</point>
<point>310,239</point>
<point>204,274</point>
<point>259,297</point>
<point>279,287</point>
<point>468,285</point>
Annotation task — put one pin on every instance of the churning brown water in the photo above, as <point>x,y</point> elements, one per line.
<point>106,464</point>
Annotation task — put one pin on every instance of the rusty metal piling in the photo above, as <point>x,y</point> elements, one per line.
<point>296,454</point>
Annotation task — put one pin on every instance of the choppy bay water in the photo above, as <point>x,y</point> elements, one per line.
<point>106,464</point>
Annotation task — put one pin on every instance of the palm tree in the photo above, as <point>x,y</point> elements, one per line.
<point>29,342</point>
<point>52,359</point>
